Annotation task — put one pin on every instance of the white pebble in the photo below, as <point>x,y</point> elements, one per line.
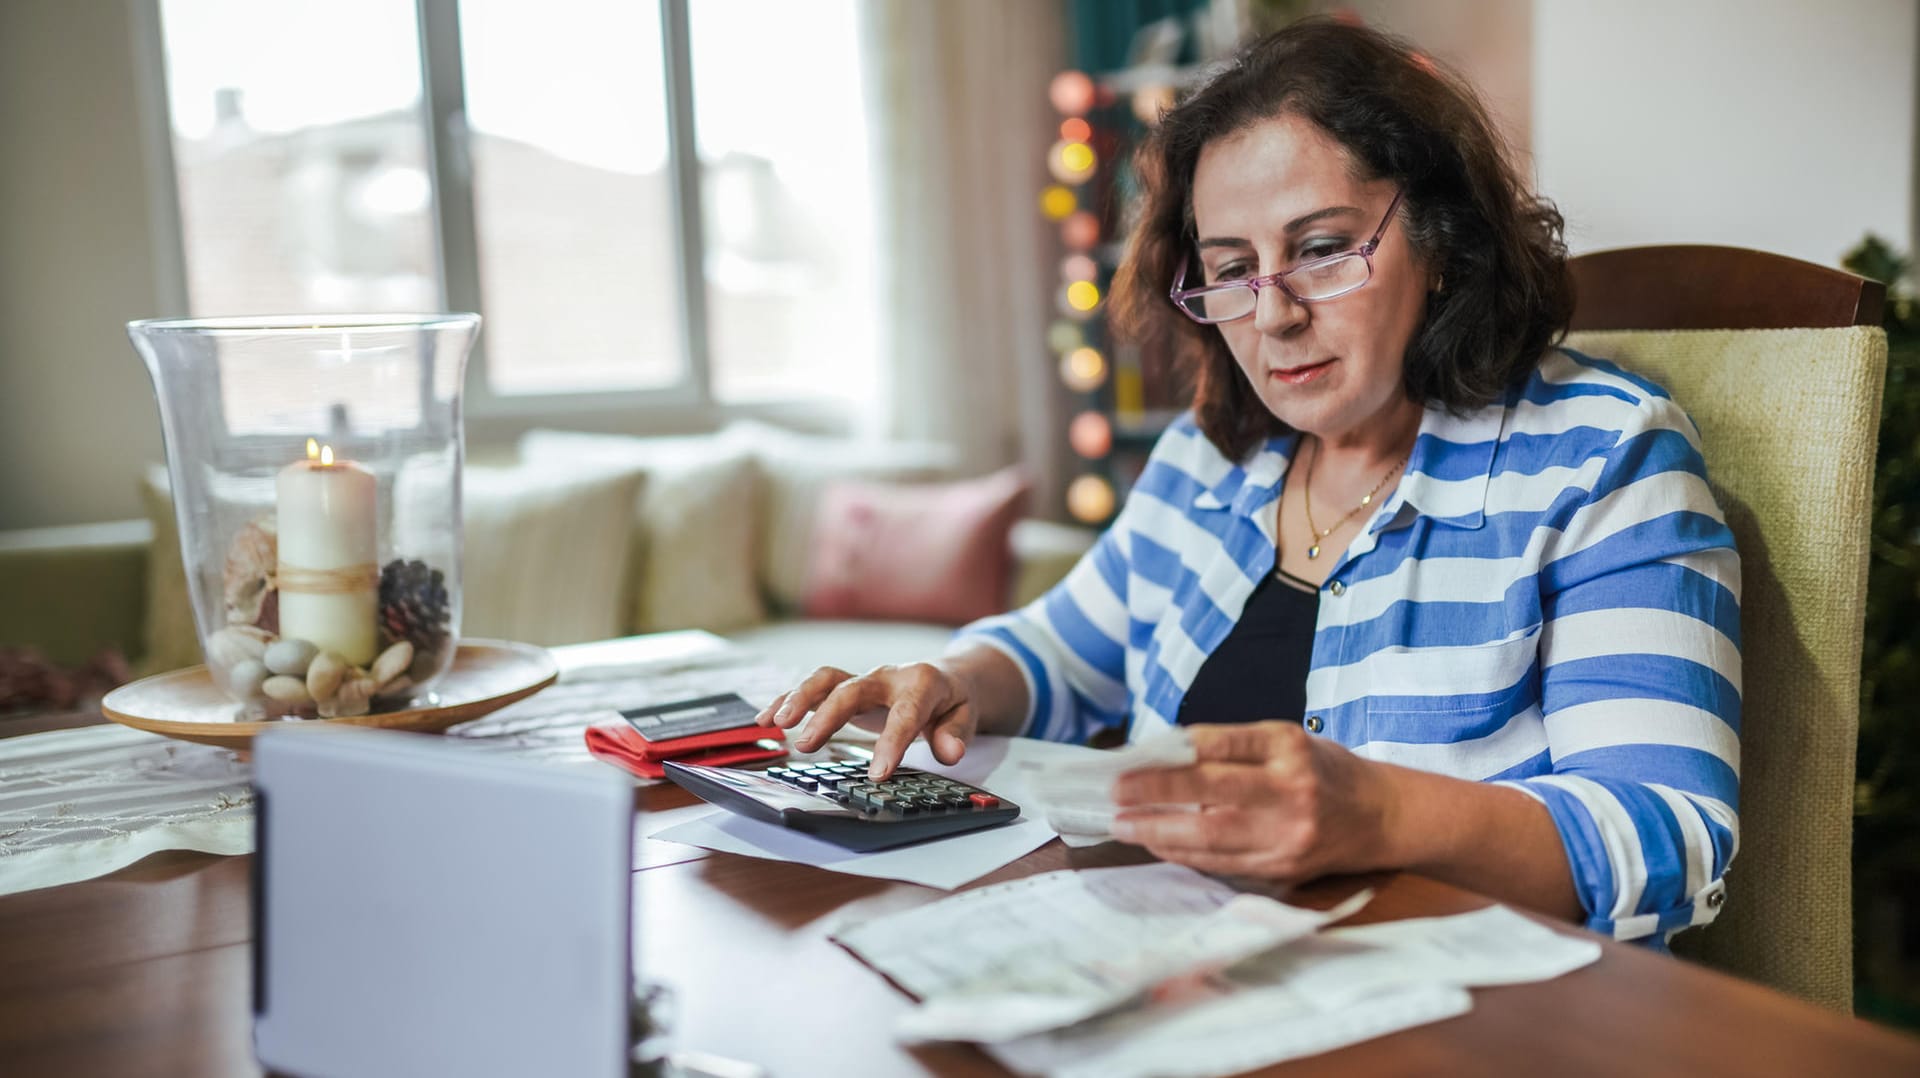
<point>290,657</point>
<point>246,677</point>
<point>286,689</point>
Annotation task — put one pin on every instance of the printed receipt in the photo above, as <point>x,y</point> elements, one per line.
<point>1077,797</point>
<point>1048,951</point>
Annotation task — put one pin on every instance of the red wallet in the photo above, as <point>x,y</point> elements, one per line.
<point>622,746</point>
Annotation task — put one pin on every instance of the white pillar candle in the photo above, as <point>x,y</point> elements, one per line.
<point>329,582</point>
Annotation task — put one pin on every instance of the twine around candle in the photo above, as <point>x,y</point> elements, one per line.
<point>346,580</point>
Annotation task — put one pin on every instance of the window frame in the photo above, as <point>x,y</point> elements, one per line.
<point>688,405</point>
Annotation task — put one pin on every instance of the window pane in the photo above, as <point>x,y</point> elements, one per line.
<point>573,198</point>
<point>301,156</point>
<point>781,121</point>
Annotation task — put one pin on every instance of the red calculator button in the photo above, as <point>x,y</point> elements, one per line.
<point>985,801</point>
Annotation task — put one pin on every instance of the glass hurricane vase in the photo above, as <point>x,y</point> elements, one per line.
<point>315,469</point>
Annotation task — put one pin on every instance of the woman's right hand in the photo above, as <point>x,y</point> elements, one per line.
<point>917,699</point>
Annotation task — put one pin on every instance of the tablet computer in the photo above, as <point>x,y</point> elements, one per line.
<point>423,906</point>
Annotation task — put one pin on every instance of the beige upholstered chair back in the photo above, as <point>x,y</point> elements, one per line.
<point>1788,419</point>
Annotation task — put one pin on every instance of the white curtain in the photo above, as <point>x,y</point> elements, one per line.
<point>968,266</point>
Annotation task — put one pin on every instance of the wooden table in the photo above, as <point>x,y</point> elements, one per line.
<point>146,972</point>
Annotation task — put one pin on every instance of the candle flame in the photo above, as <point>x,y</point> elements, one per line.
<point>313,449</point>
<point>326,456</point>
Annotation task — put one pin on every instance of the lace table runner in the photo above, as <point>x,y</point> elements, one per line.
<point>78,804</point>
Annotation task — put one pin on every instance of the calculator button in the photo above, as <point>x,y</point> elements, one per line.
<point>985,801</point>
<point>954,799</point>
<point>828,782</point>
<point>882,799</point>
<point>775,772</point>
<point>805,782</point>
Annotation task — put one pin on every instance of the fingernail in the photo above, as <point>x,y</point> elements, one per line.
<point>780,716</point>
<point>875,772</point>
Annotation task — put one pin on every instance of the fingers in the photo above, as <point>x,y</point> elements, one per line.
<point>791,706</point>
<point>921,694</point>
<point>1200,784</point>
<point>1174,833</point>
<point>951,733</point>
<point>913,699</point>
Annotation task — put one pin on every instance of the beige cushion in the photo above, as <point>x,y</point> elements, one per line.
<point>1789,420</point>
<point>172,642</point>
<point>547,552</point>
<point>798,468</point>
<point>694,530</point>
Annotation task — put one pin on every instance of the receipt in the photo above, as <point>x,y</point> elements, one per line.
<point>1052,950</point>
<point>1077,797</point>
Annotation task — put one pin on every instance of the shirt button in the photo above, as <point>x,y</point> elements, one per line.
<point>1716,899</point>
<point>1337,588</point>
<point>1314,724</point>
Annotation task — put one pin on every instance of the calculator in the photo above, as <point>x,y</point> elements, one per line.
<point>838,803</point>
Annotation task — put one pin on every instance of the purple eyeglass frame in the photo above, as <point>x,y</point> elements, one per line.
<point>1279,280</point>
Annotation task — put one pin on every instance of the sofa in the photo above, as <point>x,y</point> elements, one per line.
<point>573,537</point>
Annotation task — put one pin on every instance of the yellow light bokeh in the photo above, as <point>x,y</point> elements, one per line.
<point>1057,203</point>
<point>1090,499</point>
<point>1083,369</point>
<point>1071,162</point>
<point>1083,295</point>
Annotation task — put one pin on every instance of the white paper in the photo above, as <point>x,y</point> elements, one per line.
<point>1227,1032</point>
<point>1075,795</point>
<point>991,763</point>
<point>1318,993</point>
<point>1051,950</point>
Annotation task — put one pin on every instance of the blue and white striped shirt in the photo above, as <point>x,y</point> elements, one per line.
<point>1550,600</point>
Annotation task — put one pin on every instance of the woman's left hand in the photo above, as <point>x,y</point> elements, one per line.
<point>1264,799</point>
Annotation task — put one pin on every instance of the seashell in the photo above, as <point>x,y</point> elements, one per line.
<point>354,697</point>
<point>285,689</point>
<point>392,663</point>
<point>325,674</point>
<point>399,689</point>
<point>290,657</point>
<point>252,559</point>
<point>236,644</point>
<point>245,677</point>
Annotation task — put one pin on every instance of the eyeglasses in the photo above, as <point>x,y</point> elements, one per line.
<point>1310,282</point>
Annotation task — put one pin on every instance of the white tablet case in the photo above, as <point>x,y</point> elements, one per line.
<point>424,907</point>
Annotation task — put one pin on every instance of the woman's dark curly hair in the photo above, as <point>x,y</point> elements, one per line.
<point>1467,213</point>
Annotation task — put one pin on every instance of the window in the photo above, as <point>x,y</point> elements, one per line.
<point>647,199</point>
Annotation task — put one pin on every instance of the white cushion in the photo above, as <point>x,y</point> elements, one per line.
<point>547,552</point>
<point>695,529</point>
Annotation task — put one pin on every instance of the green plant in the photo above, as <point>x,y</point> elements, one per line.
<point>1886,844</point>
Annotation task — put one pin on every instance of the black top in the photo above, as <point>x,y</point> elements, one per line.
<point>1260,670</point>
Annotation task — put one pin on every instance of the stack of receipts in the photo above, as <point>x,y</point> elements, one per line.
<point>1156,970</point>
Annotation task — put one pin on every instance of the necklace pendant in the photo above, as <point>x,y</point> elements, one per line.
<point>1313,551</point>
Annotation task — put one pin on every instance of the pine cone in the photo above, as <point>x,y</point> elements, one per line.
<point>414,606</point>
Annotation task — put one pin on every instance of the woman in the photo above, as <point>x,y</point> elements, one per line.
<point>1475,585</point>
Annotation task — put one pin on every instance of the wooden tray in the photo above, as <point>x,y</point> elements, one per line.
<point>486,675</point>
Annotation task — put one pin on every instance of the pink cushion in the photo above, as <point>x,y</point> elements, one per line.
<point>931,552</point>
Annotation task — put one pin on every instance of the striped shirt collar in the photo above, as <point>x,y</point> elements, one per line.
<point>1446,477</point>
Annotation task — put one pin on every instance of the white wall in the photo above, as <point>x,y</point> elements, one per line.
<point>77,416</point>
<point>1784,125</point>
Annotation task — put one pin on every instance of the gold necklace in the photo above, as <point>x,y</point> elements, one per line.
<point>1306,499</point>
